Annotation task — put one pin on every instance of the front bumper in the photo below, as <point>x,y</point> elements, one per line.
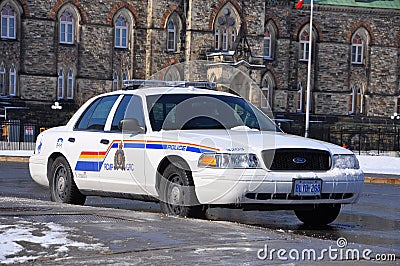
<point>37,169</point>
<point>258,186</point>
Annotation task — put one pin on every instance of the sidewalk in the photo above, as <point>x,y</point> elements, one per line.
<point>15,156</point>
<point>377,169</point>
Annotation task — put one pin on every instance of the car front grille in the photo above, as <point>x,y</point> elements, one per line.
<point>297,159</point>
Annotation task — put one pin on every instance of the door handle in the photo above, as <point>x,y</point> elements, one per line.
<point>104,141</point>
<point>71,139</point>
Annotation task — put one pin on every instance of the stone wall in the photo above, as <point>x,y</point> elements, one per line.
<point>38,55</point>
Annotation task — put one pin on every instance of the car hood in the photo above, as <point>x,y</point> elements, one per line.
<point>248,140</point>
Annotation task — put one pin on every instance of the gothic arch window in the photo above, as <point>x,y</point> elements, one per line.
<point>8,22</point>
<point>226,27</point>
<point>356,99</point>
<point>115,85</point>
<point>66,28</point>
<point>359,42</point>
<point>304,44</point>
<point>13,81</point>
<point>174,26</point>
<point>2,79</point>
<point>60,85</point>
<point>125,76</point>
<point>267,87</point>
<point>233,39</point>
<point>68,23</point>
<point>217,39</point>
<point>269,41</point>
<point>121,33</point>
<point>301,96</point>
<point>171,37</point>
<point>123,25</point>
<point>70,85</point>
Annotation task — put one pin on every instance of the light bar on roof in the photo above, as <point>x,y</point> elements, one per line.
<point>138,83</point>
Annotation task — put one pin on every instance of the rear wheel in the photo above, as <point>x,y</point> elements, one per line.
<point>62,186</point>
<point>177,193</point>
<point>321,214</point>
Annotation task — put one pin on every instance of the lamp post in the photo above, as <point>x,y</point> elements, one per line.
<point>395,117</point>
<point>309,73</point>
<point>56,107</point>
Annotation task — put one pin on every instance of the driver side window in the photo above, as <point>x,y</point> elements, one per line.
<point>130,108</point>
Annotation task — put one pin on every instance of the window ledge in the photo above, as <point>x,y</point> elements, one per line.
<point>172,52</point>
<point>121,47</point>
<point>268,58</point>
<point>5,39</point>
<point>67,44</point>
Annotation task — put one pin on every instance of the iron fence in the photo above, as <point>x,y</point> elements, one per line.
<point>356,137</point>
<point>18,136</point>
<point>378,138</point>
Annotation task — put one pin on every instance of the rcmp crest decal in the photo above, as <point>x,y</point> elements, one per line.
<point>119,158</point>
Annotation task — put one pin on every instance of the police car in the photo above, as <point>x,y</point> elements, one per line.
<point>191,148</point>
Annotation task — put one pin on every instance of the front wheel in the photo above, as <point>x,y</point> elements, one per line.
<point>321,214</point>
<point>177,194</point>
<point>62,186</point>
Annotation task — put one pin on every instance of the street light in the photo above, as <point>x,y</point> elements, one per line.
<point>56,107</point>
<point>395,116</point>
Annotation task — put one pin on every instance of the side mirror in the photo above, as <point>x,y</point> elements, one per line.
<point>130,125</point>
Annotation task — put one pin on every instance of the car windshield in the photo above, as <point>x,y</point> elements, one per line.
<point>198,111</point>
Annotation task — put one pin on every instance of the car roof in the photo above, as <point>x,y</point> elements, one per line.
<point>148,91</point>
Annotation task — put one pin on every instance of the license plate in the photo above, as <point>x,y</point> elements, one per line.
<point>307,187</point>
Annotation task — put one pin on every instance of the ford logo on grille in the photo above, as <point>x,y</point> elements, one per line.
<point>299,160</point>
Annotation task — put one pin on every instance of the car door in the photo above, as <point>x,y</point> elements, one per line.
<point>123,168</point>
<point>86,143</point>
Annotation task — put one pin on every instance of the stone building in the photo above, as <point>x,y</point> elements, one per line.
<point>70,50</point>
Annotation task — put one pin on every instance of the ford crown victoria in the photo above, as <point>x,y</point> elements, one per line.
<point>191,149</point>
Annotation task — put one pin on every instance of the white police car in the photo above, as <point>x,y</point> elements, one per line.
<point>190,149</point>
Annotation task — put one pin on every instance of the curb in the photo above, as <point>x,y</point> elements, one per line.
<point>20,159</point>
<point>367,178</point>
<point>382,180</point>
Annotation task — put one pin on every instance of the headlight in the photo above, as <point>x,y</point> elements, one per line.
<point>345,162</point>
<point>225,160</point>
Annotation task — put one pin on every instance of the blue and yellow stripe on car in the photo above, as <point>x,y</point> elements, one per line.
<point>92,161</point>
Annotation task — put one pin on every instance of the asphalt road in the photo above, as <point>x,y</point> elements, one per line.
<point>374,221</point>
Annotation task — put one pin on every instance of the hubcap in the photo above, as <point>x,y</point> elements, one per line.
<point>61,183</point>
<point>175,195</point>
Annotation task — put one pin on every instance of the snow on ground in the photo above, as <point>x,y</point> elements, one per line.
<point>21,153</point>
<point>42,240</point>
<point>379,164</point>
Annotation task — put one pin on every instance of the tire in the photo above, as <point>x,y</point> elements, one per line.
<point>320,215</point>
<point>62,186</point>
<point>177,194</point>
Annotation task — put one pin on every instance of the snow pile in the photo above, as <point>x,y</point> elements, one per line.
<point>25,241</point>
<point>379,164</point>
